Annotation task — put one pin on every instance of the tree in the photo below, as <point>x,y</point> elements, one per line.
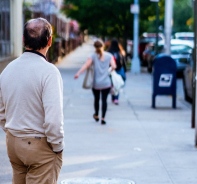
<point>109,18</point>
<point>112,18</point>
<point>183,16</point>
<point>148,15</point>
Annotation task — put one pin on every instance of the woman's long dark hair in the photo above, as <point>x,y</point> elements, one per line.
<point>114,46</point>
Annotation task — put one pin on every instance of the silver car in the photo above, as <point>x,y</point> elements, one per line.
<point>188,80</point>
<point>180,52</point>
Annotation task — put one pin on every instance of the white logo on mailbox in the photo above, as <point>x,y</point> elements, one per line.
<point>165,80</point>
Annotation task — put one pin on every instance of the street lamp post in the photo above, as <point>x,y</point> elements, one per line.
<point>194,53</point>
<point>157,24</point>
<point>194,73</point>
<point>135,67</point>
<point>168,24</point>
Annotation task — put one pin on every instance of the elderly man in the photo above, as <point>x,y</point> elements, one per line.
<point>31,109</point>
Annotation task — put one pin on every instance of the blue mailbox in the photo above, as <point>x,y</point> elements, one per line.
<point>164,78</point>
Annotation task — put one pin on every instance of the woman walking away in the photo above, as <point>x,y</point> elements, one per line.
<point>119,56</point>
<point>100,60</point>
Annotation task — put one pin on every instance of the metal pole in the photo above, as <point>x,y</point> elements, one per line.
<point>194,71</point>
<point>194,67</point>
<point>135,67</point>
<point>157,27</point>
<point>168,24</point>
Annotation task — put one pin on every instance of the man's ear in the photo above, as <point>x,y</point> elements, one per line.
<point>50,41</point>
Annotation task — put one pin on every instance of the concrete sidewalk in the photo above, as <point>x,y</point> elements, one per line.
<point>138,143</point>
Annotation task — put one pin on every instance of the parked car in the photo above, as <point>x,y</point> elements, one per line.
<point>180,52</point>
<point>184,36</point>
<point>188,80</point>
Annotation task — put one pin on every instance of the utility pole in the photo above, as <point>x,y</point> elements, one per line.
<point>135,67</point>
<point>193,115</point>
<point>157,26</point>
<point>194,73</point>
<point>168,24</point>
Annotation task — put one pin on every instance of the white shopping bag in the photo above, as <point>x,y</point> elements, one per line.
<point>117,82</point>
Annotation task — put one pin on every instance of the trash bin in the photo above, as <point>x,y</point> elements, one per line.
<point>164,78</point>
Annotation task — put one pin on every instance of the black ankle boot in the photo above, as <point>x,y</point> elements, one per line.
<point>95,117</point>
<point>103,122</point>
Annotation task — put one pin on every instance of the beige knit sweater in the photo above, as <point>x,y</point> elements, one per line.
<point>31,99</point>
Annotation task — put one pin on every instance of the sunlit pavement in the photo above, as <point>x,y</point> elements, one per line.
<point>138,144</point>
<point>96,181</point>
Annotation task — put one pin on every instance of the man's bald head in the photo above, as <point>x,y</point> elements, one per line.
<point>37,33</point>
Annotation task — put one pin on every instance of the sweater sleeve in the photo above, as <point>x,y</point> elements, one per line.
<point>53,107</point>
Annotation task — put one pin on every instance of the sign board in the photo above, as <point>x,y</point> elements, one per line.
<point>165,80</point>
<point>134,8</point>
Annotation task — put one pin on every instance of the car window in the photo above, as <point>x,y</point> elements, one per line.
<point>180,49</point>
<point>184,60</point>
<point>185,38</point>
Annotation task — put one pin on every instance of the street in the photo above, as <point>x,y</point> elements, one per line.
<point>138,143</point>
